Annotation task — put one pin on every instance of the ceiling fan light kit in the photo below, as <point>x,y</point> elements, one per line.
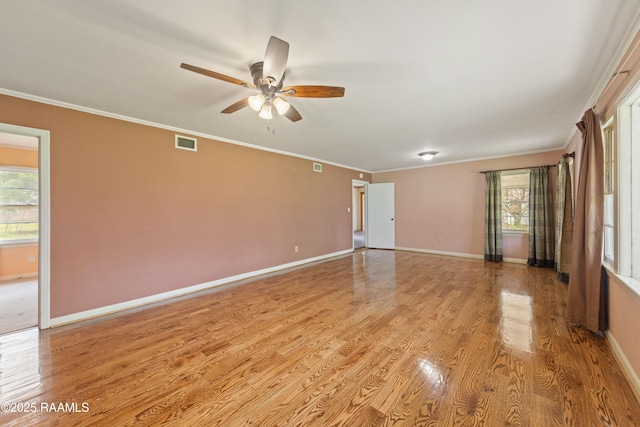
<point>263,105</point>
<point>268,77</point>
<point>265,112</point>
<point>256,102</point>
<point>281,105</point>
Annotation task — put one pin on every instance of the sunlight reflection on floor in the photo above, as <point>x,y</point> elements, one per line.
<point>516,322</point>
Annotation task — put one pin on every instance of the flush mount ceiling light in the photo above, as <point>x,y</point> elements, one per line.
<point>428,155</point>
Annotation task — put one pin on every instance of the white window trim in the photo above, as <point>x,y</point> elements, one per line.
<point>18,168</point>
<point>627,253</point>
<point>612,264</point>
<point>630,282</point>
<point>514,232</point>
<point>17,243</point>
<point>509,231</point>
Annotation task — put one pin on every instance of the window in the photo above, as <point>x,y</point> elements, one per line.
<point>18,204</point>
<point>515,201</point>
<point>609,199</point>
<point>627,189</point>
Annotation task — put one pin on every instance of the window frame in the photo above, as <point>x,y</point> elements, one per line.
<point>25,241</point>
<point>510,231</point>
<point>627,118</point>
<point>610,151</point>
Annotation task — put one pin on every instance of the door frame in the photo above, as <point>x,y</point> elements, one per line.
<point>358,183</point>
<point>44,217</point>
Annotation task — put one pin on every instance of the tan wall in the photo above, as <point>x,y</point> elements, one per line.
<point>624,318</point>
<point>131,216</point>
<point>441,208</point>
<point>14,261</point>
<point>18,157</point>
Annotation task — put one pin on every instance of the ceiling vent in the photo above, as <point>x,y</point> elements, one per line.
<point>186,143</point>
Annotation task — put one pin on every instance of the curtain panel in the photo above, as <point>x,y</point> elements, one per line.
<point>586,300</point>
<point>564,219</point>
<point>493,217</point>
<point>541,230</point>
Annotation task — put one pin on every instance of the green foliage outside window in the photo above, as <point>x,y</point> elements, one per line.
<point>515,201</point>
<point>18,205</point>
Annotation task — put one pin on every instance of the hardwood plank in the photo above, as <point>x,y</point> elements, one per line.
<point>371,338</point>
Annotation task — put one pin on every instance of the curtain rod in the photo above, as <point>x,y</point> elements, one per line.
<point>571,154</point>
<point>515,169</point>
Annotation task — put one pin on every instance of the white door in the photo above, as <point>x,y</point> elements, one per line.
<point>381,227</point>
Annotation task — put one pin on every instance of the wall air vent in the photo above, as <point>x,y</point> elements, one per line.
<point>317,167</point>
<point>186,143</point>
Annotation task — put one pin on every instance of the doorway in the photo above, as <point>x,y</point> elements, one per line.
<point>359,214</point>
<point>24,228</point>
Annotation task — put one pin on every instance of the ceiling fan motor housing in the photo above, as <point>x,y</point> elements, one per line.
<point>257,76</point>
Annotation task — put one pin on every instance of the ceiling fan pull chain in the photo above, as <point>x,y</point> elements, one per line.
<point>270,127</point>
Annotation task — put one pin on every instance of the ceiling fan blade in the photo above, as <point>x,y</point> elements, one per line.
<point>292,114</point>
<point>215,75</point>
<point>237,106</point>
<point>275,60</point>
<point>313,91</point>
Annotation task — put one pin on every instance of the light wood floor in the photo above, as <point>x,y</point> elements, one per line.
<point>18,305</point>
<point>372,338</point>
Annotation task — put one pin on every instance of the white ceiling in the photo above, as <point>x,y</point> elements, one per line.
<point>468,79</point>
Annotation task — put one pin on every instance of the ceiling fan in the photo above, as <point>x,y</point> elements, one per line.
<point>268,77</point>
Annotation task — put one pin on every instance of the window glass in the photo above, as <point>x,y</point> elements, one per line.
<point>609,200</point>
<point>515,200</point>
<point>18,204</point>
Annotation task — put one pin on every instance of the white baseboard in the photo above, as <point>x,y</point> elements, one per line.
<point>18,276</point>
<point>429,251</point>
<point>622,360</point>
<point>458,254</point>
<point>110,309</point>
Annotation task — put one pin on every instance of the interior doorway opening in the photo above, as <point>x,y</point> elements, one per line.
<point>359,214</point>
<point>25,212</point>
<point>19,229</point>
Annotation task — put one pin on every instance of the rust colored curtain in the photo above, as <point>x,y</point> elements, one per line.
<point>586,303</point>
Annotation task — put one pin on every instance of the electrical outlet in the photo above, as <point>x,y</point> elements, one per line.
<point>295,249</point>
